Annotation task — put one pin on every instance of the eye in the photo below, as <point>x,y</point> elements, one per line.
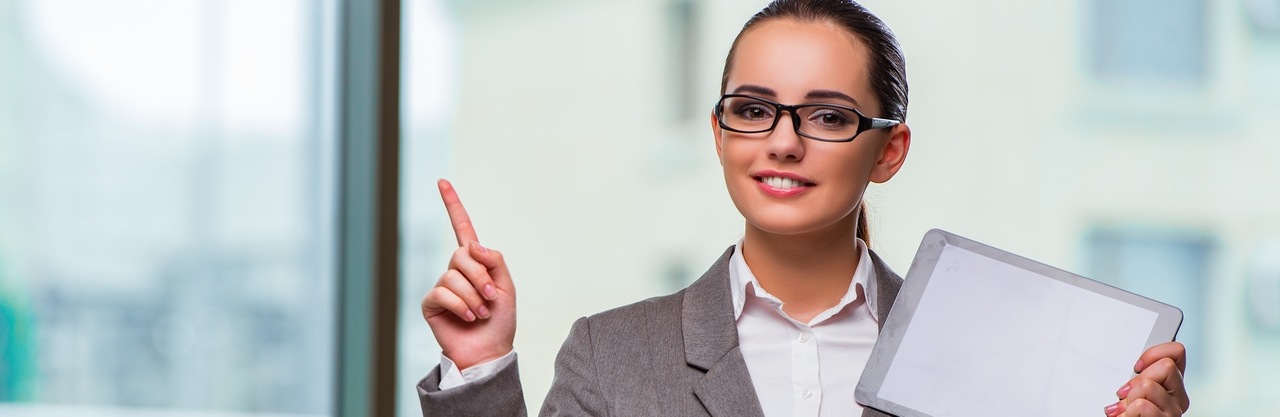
<point>832,118</point>
<point>754,111</point>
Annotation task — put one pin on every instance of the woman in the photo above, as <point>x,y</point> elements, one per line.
<point>813,104</point>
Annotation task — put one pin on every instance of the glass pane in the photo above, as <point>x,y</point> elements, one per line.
<point>427,63</point>
<point>1141,41</point>
<point>165,194</point>
<point>1170,266</point>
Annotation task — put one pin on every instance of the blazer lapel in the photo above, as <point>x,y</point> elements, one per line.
<point>887,285</point>
<point>711,345</point>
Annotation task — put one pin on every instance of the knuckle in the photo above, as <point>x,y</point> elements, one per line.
<point>458,284</point>
<point>435,297</point>
<point>1167,364</point>
<point>450,275</point>
<point>459,254</point>
<point>1141,406</point>
<point>475,273</point>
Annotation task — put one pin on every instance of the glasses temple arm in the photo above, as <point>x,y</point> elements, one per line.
<point>882,123</point>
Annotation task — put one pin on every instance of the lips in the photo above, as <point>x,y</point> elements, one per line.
<point>782,184</point>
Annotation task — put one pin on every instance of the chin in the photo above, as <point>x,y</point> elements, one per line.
<point>809,213</point>
<point>789,223</point>
<point>789,220</point>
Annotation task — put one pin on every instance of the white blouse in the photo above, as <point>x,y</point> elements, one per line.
<point>805,369</point>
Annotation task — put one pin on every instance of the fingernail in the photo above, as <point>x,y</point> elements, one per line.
<point>481,248</point>
<point>1137,366</point>
<point>1124,391</point>
<point>489,292</point>
<point>470,316</point>
<point>484,312</point>
<point>1112,409</point>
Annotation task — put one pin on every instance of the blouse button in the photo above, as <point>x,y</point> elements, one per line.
<point>804,337</point>
<point>806,394</point>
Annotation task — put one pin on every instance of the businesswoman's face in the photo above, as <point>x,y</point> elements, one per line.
<point>784,183</point>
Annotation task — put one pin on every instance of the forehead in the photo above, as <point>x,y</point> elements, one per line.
<point>794,58</point>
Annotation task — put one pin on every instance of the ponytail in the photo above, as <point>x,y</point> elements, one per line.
<point>864,230</point>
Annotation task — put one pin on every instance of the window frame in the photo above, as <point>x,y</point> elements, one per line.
<point>368,207</point>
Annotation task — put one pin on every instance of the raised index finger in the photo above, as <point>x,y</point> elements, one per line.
<point>462,228</point>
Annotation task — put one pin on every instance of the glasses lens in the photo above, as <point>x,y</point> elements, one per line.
<point>747,114</point>
<point>828,122</point>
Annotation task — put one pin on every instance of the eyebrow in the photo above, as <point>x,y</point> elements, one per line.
<point>813,95</point>
<point>829,94</point>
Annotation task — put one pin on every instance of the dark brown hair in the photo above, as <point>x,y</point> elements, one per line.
<point>887,69</point>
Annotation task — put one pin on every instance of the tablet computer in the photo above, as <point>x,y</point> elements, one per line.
<point>977,331</point>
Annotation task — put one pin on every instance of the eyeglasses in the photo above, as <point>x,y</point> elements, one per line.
<point>824,122</point>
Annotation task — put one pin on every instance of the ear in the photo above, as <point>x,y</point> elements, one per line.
<point>718,133</point>
<point>893,154</point>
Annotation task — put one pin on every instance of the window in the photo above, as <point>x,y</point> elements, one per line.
<point>428,50</point>
<point>166,221</point>
<point>1147,43</point>
<point>1166,265</point>
<point>1264,15</point>
<point>1263,289</point>
<point>682,43</point>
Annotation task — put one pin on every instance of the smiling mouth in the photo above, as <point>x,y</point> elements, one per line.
<point>782,183</point>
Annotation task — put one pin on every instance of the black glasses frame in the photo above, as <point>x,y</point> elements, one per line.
<point>864,123</point>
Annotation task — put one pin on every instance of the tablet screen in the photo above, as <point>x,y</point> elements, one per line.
<point>990,338</point>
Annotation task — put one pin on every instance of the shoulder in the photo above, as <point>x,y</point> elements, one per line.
<point>657,317</point>
<point>662,319</point>
<point>708,292</point>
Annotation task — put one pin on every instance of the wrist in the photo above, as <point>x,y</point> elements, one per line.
<point>468,359</point>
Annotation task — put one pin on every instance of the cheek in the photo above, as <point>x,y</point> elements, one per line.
<point>848,174</point>
<point>851,163</point>
<point>737,156</point>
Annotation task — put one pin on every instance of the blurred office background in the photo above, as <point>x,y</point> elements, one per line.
<point>168,177</point>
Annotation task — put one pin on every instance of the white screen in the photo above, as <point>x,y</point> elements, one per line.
<point>992,339</point>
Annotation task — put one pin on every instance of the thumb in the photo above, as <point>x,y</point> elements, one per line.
<point>494,262</point>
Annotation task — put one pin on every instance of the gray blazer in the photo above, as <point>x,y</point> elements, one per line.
<point>675,355</point>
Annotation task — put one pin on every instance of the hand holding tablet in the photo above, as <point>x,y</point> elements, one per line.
<point>977,331</point>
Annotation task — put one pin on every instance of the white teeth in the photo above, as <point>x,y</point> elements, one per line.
<point>781,183</point>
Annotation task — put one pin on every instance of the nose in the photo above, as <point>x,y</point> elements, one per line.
<point>785,144</point>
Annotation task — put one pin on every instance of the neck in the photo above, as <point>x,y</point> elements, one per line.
<point>809,273</point>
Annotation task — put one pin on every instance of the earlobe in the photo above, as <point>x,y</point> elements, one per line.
<point>893,155</point>
<point>716,132</point>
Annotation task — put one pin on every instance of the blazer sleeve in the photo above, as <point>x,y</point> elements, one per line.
<point>575,391</point>
<point>499,394</point>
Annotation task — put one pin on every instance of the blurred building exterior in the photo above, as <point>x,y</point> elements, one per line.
<point>164,237</point>
<point>1133,141</point>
